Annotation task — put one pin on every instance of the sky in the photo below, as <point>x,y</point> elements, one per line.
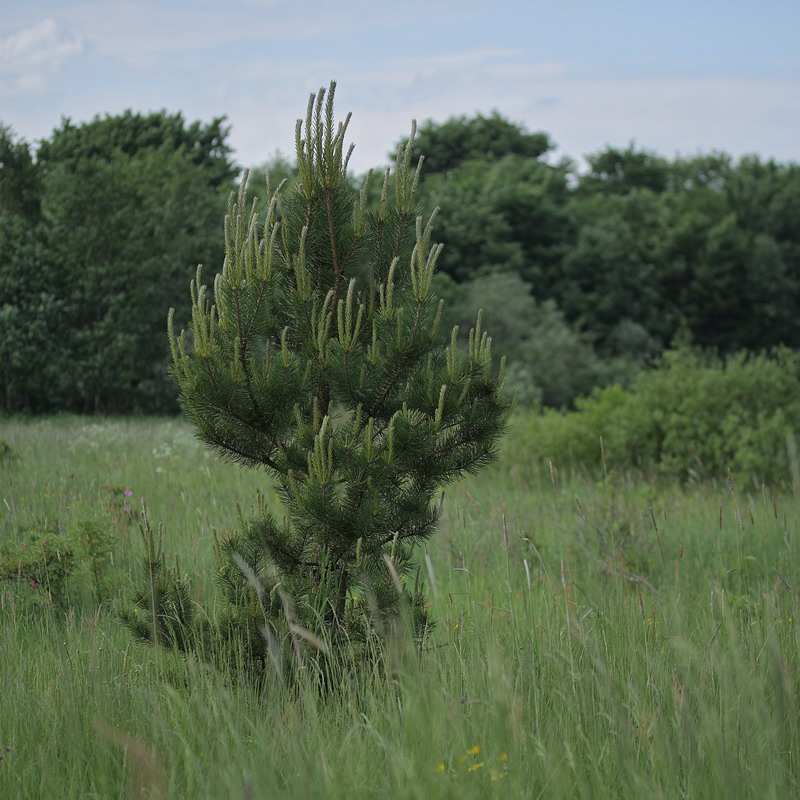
<point>676,77</point>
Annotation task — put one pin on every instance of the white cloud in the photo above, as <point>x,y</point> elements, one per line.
<point>31,57</point>
<point>137,33</point>
<point>141,33</point>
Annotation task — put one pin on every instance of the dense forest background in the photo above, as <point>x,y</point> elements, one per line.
<point>585,276</point>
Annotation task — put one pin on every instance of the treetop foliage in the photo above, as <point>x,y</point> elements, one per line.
<point>130,133</point>
<point>19,178</point>
<point>105,220</point>
<point>619,171</point>
<point>446,145</point>
<point>98,235</point>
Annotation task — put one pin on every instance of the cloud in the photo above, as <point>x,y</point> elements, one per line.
<point>147,34</point>
<point>257,60</point>
<point>138,33</point>
<point>30,58</point>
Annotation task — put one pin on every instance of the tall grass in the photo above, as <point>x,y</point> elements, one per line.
<point>595,638</point>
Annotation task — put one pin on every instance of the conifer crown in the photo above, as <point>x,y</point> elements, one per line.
<point>320,358</point>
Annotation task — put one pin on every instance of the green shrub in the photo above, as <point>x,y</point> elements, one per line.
<point>41,562</point>
<point>70,563</point>
<point>7,452</point>
<point>91,534</point>
<point>693,416</point>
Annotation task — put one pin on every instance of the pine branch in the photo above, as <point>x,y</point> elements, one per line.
<point>242,352</point>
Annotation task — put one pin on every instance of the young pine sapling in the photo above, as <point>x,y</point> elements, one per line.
<point>321,361</point>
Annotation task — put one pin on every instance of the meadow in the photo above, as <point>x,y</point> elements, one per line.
<point>604,634</point>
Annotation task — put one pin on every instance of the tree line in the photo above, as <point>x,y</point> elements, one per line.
<point>98,234</point>
<point>585,275</point>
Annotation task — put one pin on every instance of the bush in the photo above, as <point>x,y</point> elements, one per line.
<point>69,563</point>
<point>6,452</point>
<point>92,537</point>
<point>43,562</point>
<point>693,416</point>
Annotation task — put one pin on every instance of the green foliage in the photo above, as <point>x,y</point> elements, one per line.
<point>698,245</point>
<point>162,611</point>
<point>449,144</point>
<point>38,561</point>
<point>549,363</point>
<point>691,417</point>
<point>33,326</point>
<point>608,274</point>
<point>128,206</point>
<point>7,452</point>
<point>29,310</point>
<point>159,205</point>
<point>613,171</point>
<point>19,178</point>
<point>345,391</point>
<point>103,223</point>
<point>92,538</point>
<point>685,258</point>
<point>555,360</point>
<point>128,134</point>
<point>277,169</point>
<point>68,560</point>
<point>506,215</point>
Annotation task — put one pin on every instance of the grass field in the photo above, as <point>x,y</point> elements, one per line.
<point>596,637</point>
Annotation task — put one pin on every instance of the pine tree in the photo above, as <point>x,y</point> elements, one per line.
<point>343,389</point>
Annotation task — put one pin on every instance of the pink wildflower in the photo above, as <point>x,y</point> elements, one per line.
<point>128,492</point>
